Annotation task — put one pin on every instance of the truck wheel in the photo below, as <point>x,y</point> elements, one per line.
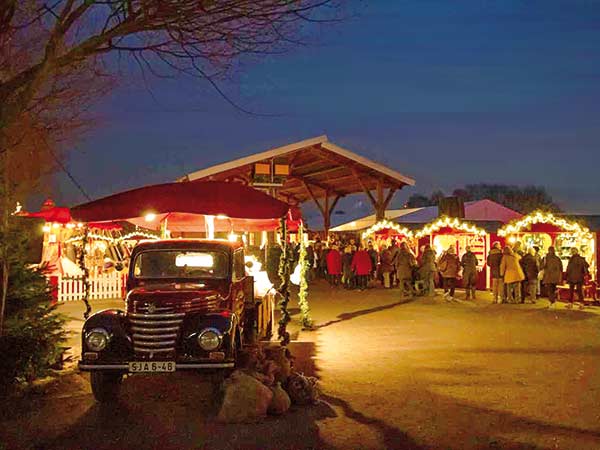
<point>106,386</point>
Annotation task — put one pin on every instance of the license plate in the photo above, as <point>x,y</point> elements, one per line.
<point>152,366</point>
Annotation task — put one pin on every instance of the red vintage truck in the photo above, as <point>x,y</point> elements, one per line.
<point>189,306</point>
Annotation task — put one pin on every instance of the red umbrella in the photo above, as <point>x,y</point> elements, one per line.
<point>214,198</point>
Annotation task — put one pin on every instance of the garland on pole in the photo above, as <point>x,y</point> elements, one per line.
<point>284,287</point>
<point>303,292</point>
<point>86,273</point>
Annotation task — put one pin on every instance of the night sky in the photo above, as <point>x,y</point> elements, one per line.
<point>447,92</point>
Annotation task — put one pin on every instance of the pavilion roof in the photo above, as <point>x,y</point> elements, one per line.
<point>318,169</point>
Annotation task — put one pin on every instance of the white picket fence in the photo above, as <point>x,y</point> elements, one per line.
<point>102,286</point>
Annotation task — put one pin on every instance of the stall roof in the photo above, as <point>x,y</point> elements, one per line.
<point>485,210</point>
<point>318,169</point>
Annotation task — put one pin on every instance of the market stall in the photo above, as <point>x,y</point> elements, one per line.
<point>544,229</point>
<point>446,232</point>
<point>203,207</point>
<point>384,232</point>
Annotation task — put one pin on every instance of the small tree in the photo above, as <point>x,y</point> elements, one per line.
<point>33,332</point>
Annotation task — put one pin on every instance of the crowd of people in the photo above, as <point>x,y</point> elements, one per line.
<point>517,275</point>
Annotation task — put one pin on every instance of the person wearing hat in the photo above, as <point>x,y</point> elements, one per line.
<point>493,261</point>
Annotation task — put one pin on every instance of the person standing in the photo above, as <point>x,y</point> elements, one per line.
<point>374,257</point>
<point>347,275</point>
<point>449,266</point>
<point>512,273</point>
<point>553,273</point>
<point>577,269</point>
<point>469,264</point>
<point>394,250</point>
<point>361,266</point>
<point>334,265</point>
<point>493,261</point>
<point>386,267</point>
<point>427,269</point>
<point>405,263</point>
<point>531,269</point>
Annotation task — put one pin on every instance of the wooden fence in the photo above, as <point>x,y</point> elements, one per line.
<point>102,286</point>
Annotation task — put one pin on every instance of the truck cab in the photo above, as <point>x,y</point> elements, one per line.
<point>189,306</point>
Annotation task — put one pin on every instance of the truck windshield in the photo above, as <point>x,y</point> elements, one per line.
<point>181,264</point>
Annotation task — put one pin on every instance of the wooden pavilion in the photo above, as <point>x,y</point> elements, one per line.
<point>311,170</point>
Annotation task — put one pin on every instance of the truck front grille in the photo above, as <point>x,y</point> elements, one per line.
<point>154,330</point>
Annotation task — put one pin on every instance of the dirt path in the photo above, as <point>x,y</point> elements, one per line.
<point>396,374</point>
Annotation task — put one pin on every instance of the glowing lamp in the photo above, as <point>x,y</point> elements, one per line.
<point>150,217</point>
<point>70,225</point>
<point>46,228</point>
<point>222,217</point>
<point>232,237</point>
<point>55,225</point>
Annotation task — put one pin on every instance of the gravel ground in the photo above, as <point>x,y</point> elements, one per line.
<point>395,374</point>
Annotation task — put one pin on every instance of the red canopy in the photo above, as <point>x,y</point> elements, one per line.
<point>213,198</point>
<point>54,214</point>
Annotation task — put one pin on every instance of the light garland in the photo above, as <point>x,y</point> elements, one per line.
<point>387,225</point>
<point>112,240</point>
<point>449,222</point>
<point>303,291</point>
<point>574,228</point>
<point>138,233</point>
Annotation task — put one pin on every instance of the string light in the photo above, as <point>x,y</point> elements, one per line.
<point>387,225</point>
<point>449,222</point>
<point>573,228</point>
<point>99,237</point>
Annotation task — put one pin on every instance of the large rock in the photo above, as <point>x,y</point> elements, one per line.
<point>246,399</point>
<point>281,401</point>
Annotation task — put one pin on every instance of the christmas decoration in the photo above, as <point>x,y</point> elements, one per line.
<point>387,225</point>
<point>523,224</point>
<point>303,292</point>
<point>285,262</point>
<point>449,222</point>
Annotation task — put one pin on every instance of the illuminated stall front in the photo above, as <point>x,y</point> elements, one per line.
<point>447,232</point>
<point>544,229</point>
<point>384,232</point>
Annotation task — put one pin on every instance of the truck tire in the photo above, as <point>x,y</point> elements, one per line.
<point>105,386</point>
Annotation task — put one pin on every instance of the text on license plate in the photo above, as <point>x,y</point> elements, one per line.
<point>152,366</point>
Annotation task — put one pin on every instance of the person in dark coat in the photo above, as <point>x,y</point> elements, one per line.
<point>531,269</point>
<point>405,263</point>
<point>374,257</point>
<point>387,267</point>
<point>553,273</point>
<point>361,266</point>
<point>469,264</point>
<point>449,266</point>
<point>347,274</point>
<point>493,261</point>
<point>427,269</point>
<point>577,269</point>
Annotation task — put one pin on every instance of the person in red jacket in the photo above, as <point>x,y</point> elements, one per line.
<point>361,266</point>
<point>334,265</point>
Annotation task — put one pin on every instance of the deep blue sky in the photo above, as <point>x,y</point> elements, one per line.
<point>448,92</point>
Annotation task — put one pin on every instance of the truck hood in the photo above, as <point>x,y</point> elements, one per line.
<point>177,297</point>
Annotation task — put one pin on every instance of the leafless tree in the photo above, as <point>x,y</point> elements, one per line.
<point>55,59</point>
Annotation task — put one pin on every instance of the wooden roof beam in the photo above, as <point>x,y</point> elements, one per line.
<point>316,184</point>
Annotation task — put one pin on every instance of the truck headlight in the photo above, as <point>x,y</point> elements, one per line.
<point>209,339</point>
<point>97,339</point>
